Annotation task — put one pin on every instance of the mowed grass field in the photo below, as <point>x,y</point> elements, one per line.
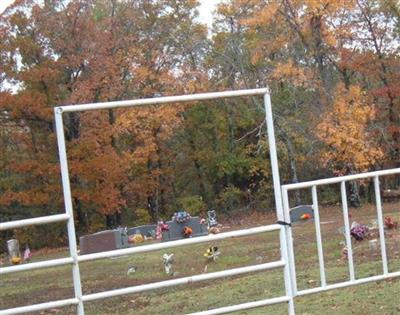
<point>373,298</point>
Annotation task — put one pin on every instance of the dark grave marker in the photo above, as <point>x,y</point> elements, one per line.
<point>298,214</point>
<point>103,241</point>
<point>175,231</point>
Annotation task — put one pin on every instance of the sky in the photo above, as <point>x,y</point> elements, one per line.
<point>4,4</point>
<point>206,8</point>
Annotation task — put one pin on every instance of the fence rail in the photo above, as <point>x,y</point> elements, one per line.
<point>34,221</point>
<point>177,243</point>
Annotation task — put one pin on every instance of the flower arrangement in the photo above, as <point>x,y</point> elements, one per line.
<point>390,224</point>
<point>15,260</point>
<point>161,227</point>
<point>138,238</point>
<point>181,216</point>
<point>187,231</point>
<point>359,231</point>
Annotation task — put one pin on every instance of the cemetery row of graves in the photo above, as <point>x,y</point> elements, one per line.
<point>138,269</point>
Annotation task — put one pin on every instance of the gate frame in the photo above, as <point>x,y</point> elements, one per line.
<point>74,259</point>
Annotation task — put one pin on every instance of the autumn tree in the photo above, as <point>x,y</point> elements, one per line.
<point>78,52</point>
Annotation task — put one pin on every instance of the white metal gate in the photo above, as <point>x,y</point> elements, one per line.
<point>282,207</point>
<point>352,277</point>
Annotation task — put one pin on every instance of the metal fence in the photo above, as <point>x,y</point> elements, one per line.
<point>286,261</point>
<point>352,277</point>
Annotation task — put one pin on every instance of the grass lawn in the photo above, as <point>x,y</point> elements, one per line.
<point>373,298</point>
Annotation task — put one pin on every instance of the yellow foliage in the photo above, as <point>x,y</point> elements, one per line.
<point>345,130</point>
<point>289,72</point>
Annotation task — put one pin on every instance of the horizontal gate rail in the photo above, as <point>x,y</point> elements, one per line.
<point>178,243</point>
<point>184,280</point>
<point>39,307</point>
<point>34,221</point>
<point>162,100</point>
<point>349,283</point>
<point>342,180</point>
<point>244,306</point>
<point>37,265</point>
<point>334,180</point>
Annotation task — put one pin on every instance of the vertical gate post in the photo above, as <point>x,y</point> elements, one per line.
<point>285,233</point>
<point>68,208</point>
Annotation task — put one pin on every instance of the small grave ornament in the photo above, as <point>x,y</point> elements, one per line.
<point>213,230</point>
<point>168,260</point>
<point>131,269</point>
<point>27,253</point>
<point>212,253</point>
<point>345,252</point>
<point>212,218</point>
<point>373,244</point>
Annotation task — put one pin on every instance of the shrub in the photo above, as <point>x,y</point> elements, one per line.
<point>192,204</point>
<point>231,199</point>
<point>142,216</point>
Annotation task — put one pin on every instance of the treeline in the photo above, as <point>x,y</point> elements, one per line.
<point>332,66</point>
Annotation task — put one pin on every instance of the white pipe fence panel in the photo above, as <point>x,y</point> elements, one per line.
<point>74,258</point>
<point>342,180</point>
<point>287,260</point>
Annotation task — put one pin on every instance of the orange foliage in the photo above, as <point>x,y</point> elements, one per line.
<point>345,130</point>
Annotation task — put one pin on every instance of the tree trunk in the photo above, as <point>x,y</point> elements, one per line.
<point>292,162</point>
<point>109,221</point>
<point>354,194</point>
<point>153,208</point>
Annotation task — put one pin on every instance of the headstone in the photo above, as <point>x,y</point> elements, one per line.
<point>391,195</point>
<point>13,251</point>
<point>175,231</point>
<point>298,212</point>
<point>103,241</point>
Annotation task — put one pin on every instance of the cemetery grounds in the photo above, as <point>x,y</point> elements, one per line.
<point>373,298</point>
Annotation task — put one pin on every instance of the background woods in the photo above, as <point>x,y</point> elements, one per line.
<point>333,68</point>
